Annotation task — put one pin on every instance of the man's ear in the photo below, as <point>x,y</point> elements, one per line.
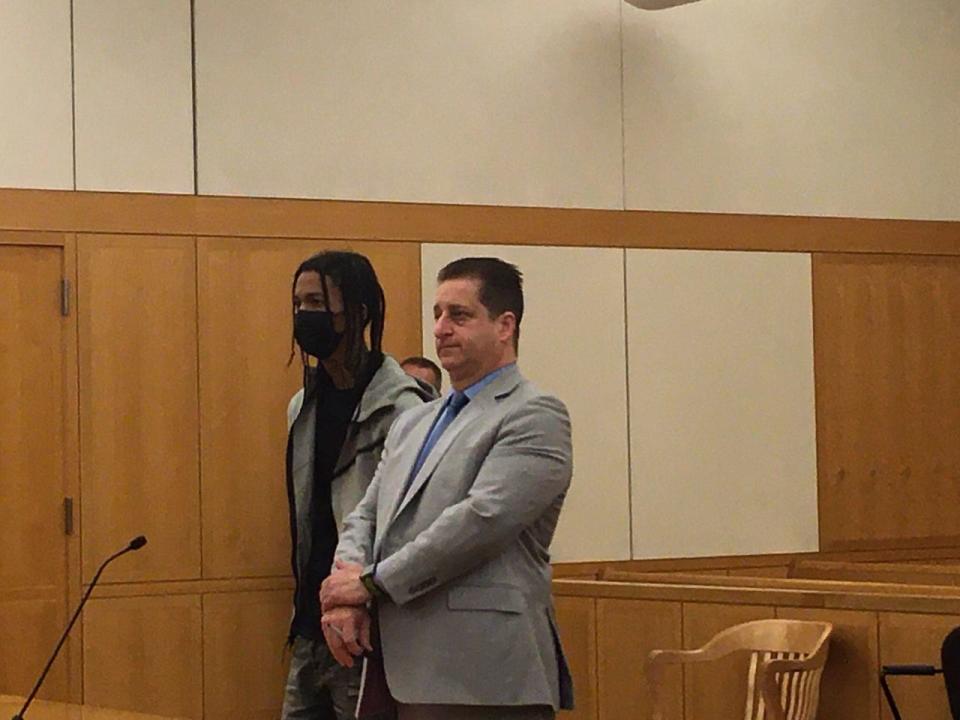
<point>507,325</point>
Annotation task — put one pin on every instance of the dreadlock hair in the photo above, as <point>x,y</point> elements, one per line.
<point>501,286</point>
<point>364,306</point>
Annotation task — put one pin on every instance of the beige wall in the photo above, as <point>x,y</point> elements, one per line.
<point>498,102</point>
<point>785,106</point>
<point>809,107</point>
<point>722,426</point>
<point>36,136</point>
<point>689,380</point>
<point>134,114</point>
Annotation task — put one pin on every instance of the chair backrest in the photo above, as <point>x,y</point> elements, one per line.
<point>795,690</point>
<point>950,661</point>
<point>799,691</point>
<point>786,662</point>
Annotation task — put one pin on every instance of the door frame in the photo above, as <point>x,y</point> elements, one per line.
<point>70,425</point>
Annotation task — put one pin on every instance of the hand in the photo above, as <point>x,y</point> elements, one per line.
<point>343,587</point>
<point>347,632</point>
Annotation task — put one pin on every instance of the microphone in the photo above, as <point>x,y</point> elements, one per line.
<point>138,542</point>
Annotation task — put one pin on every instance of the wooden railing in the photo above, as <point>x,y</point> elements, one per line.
<point>609,626</point>
<point>765,565</point>
<point>911,574</point>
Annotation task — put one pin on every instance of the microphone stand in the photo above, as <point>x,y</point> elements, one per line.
<point>135,544</point>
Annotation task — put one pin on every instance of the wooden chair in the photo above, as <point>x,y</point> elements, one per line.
<point>786,662</point>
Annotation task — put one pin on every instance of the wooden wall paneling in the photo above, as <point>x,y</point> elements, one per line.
<point>29,630</point>
<point>627,630</point>
<point>425,222</point>
<point>850,685</point>
<point>244,663</point>
<point>144,654</point>
<point>138,404</point>
<point>33,238</point>
<point>913,638</point>
<point>773,571</point>
<point>577,621</point>
<point>195,587</point>
<point>245,386</point>
<point>33,562</point>
<point>718,688</point>
<point>887,349</point>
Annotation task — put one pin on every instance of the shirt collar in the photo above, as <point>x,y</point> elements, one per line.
<point>475,389</point>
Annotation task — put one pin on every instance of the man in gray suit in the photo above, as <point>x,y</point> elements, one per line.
<point>449,549</point>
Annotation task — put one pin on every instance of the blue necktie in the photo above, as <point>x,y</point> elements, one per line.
<point>450,410</point>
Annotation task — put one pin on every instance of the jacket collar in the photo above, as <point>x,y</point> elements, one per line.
<point>385,388</point>
<point>507,378</point>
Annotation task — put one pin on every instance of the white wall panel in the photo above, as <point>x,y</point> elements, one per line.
<point>498,102</point>
<point>572,345</point>
<point>134,95</point>
<point>36,115</point>
<point>722,428</point>
<point>794,107</point>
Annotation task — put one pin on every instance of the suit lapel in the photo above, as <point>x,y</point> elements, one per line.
<point>485,400</point>
<point>403,462</point>
<point>473,408</point>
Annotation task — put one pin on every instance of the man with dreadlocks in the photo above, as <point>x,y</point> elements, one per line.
<point>338,422</point>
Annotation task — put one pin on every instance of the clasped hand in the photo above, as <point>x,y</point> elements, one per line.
<point>346,620</point>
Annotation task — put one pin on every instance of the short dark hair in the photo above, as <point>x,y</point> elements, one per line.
<point>501,285</point>
<point>364,303</point>
<point>426,364</point>
<point>422,362</point>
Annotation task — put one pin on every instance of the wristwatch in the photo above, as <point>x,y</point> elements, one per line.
<point>371,585</point>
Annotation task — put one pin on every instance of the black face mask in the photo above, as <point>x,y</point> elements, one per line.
<point>314,333</point>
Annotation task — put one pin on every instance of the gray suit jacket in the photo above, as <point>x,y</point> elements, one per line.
<point>464,554</point>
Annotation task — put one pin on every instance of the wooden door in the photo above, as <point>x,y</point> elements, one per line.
<point>33,545</point>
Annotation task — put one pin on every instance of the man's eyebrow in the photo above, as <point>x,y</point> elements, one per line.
<point>451,307</point>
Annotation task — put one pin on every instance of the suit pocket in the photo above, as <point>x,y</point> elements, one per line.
<point>499,598</point>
